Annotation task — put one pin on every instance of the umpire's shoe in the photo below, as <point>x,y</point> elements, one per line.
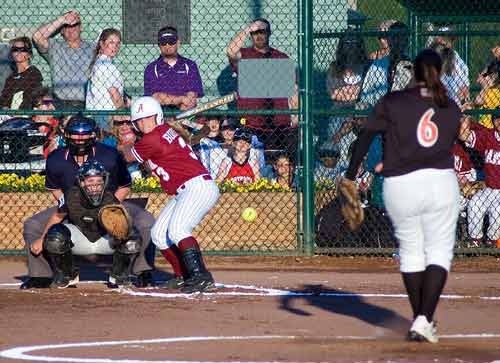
<point>62,281</point>
<point>198,283</point>
<point>36,283</point>
<point>144,279</point>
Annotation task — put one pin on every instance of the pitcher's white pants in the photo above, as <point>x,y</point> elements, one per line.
<point>184,211</point>
<point>424,207</point>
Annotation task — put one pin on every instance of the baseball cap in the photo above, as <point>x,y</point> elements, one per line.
<point>230,123</point>
<point>167,35</point>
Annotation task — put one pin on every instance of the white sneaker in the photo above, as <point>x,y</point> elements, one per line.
<point>421,330</point>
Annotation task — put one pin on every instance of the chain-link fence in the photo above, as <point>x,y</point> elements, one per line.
<point>307,75</point>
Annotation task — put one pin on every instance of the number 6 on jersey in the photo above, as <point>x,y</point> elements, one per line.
<point>427,130</point>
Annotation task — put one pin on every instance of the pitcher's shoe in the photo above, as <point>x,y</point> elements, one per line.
<point>423,331</point>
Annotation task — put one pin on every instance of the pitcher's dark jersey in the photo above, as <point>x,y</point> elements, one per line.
<point>417,133</point>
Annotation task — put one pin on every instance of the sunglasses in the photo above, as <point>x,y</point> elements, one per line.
<point>45,102</point>
<point>20,49</point>
<point>72,25</point>
<point>168,42</point>
<point>121,123</point>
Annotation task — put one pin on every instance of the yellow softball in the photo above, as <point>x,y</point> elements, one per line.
<point>249,214</point>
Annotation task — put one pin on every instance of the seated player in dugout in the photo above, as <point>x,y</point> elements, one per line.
<point>62,167</point>
<point>83,235</point>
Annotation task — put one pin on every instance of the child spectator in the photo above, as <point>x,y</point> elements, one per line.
<point>17,92</point>
<point>383,49</point>
<point>489,97</point>
<point>43,101</point>
<point>283,171</point>
<point>240,166</point>
<point>328,167</point>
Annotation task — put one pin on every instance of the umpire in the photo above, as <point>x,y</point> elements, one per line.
<point>61,173</point>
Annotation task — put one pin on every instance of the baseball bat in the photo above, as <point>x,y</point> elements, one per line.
<point>183,117</point>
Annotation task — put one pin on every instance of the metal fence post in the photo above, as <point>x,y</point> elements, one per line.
<point>307,124</point>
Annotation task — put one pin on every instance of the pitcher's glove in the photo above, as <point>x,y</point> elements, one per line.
<point>470,189</point>
<point>351,207</point>
<point>115,219</point>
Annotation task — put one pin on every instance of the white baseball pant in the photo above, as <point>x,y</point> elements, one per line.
<point>484,201</point>
<point>82,246</point>
<point>184,211</point>
<point>424,207</point>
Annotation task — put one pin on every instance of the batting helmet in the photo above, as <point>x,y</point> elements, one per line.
<point>80,126</point>
<point>92,168</point>
<point>144,107</point>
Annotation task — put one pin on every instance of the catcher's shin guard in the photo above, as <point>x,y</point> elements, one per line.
<point>64,273</point>
<point>121,269</point>
<point>199,277</point>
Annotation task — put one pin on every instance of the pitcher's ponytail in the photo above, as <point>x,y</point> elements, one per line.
<point>428,67</point>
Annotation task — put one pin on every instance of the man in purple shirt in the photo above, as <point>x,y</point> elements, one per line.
<point>172,79</point>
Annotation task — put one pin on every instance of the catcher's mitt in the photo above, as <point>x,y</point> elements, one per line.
<point>115,219</point>
<point>351,207</point>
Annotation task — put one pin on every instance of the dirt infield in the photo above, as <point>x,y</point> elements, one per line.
<point>266,309</point>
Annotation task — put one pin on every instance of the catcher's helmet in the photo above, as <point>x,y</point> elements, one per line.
<point>144,107</point>
<point>92,192</point>
<point>80,126</point>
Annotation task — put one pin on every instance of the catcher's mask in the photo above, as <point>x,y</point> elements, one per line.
<point>92,180</point>
<point>80,134</point>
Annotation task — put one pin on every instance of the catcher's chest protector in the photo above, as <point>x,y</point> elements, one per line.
<point>84,216</point>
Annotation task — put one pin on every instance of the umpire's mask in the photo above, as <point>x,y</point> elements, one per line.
<point>93,179</point>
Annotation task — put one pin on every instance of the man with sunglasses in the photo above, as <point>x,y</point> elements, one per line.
<point>69,59</point>
<point>277,132</point>
<point>43,101</point>
<point>172,79</point>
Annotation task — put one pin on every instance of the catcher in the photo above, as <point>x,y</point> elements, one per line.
<point>97,224</point>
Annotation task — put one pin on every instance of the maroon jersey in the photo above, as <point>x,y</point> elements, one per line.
<point>256,121</point>
<point>487,142</point>
<point>463,164</point>
<point>417,133</point>
<point>169,157</point>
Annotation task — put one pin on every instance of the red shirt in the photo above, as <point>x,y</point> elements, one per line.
<point>463,164</point>
<point>255,121</point>
<point>169,157</point>
<point>241,174</point>
<point>487,142</point>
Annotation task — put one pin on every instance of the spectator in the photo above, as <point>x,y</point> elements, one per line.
<point>172,79</point>
<point>344,82</point>
<point>383,43</point>
<point>327,167</point>
<point>283,171</point>
<point>455,74</point>
<point>390,73</point>
<point>69,59</point>
<point>6,64</point>
<point>496,52</point>
<point>486,201</point>
<point>213,124</point>
<point>123,136</point>
<point>105,88</point>
<point>43,101</point>
<point>240,166</point>
<point>17,92</point>
<point>61,170</point>
<point>276,132</point>
<point>489,96</point>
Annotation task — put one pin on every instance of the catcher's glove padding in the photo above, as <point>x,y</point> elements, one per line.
<point>351,207</point>
<point>115,219</point>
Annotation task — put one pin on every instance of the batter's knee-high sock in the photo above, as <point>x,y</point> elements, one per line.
<point>414,282</point>
<point>434,281</point>
<point>172,257</point>
<point>190,243</point>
